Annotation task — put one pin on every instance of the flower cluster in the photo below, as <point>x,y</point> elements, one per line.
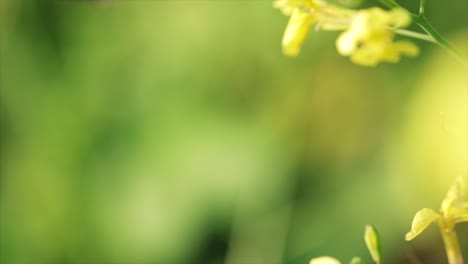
<point>368,34</point>
<point>453,210</point>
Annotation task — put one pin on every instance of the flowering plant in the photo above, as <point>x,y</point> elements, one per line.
<point>368,35</point>
<point>368,38</point>
<point>454,210</point>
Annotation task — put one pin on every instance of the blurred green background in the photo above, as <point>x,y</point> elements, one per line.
<point>172,132</point>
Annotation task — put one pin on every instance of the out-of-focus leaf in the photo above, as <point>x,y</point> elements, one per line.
<point>371,237</point>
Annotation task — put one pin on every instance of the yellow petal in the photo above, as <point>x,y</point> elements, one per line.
<point>324,260</point>
<point>346,44</point>
<point>372,240</point>
<point>399,18</point>
<point>459,215</point>
<point>296,32</point>
<point>369,39</point>
<point>421,221</point>
<point>370,54</point>
<point>406,48</point>
<point>455,196</point>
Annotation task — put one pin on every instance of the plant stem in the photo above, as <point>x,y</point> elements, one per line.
<point>452,247</point>
<point>415,35</point>
<point>422,7</point>
<point>423,23</point>
<point>439,39</point>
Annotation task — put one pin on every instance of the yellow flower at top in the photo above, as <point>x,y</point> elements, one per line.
<point>369,33</point>
<point>304,15</point>
<point>370,38</point>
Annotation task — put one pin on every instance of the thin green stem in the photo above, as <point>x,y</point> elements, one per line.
<point>422,7</point>
<point>452,247</point>
<point>423,23</point>
<point>416,35</point>
<point>439,39</point>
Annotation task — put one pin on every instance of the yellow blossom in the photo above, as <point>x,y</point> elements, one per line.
<point>324,260</point>
<point>304,15</point>
<point>454,209</point>
<point>370,39</point>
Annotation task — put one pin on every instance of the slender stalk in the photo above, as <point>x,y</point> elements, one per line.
<point>452,247</point>
<point>439,39</point>
<point>423,23</point>
<point>422,7</point>
<point>415,35</point>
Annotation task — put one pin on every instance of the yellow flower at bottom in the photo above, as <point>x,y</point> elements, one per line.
<point>324,260</point>
<point>454,210</point>
<point>369,39</point>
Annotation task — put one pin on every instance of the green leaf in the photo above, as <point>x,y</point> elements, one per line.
<point>421,221</point>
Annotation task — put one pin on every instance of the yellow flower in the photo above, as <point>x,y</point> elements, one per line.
<point>304,15</point>
<point>324,260</point>
<point>370,39</point>
<point>454,209</point>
